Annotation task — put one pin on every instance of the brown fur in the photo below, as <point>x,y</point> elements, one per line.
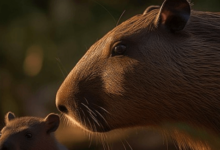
<point>164,77</point>
<point>29,133</point>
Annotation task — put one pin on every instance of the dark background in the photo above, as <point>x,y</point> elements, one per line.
<point>41,41</point>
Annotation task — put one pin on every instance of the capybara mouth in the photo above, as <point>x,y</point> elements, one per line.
<point>88,116</point>
<point>92,117</point>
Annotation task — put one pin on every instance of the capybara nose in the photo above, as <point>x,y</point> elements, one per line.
<point>61,103</point>
<point>62,108</point>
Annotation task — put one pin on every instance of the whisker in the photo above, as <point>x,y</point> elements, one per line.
<point>102,109</point>
<point>94,126</point>
<point>107,142</point>
<point>92,113</point>
<point>120,17</point>
<point>80,116</point>
<point>83,113</point>
<point>88,133</point>
<point>105,145</point>
<point>94,119</point>
<point>63,71</point>
<point>78,112</point>
<point>128,144</point>
<point>106,10</point>
<point>90,139</point>
<point>86,100</point>
<point>101,116</point>
<point>102,143</point>
<point>96,113</point>
<point>88,108</point>
<point>90,124</point>
<point>123,145</point>
<point>66,122</point>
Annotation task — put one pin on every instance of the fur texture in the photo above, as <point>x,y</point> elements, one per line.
<point>164,77</point>
<point>29,133</point>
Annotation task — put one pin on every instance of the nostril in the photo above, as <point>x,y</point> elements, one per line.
<point>62,109</point>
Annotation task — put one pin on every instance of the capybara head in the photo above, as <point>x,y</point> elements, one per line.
<point>159,66</point>
<point>28,133</point>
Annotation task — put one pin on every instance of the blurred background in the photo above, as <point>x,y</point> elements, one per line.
<point>41,41</point>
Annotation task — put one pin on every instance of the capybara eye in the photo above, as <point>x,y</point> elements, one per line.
<point>28,135</point>
<point>119,49</point>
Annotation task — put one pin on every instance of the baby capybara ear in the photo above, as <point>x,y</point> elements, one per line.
<point>174,14</point>
<point>9,116</point>
<point>52,122</point>
<point>148,9</point>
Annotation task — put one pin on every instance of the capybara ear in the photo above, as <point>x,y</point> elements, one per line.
<point>9,116</point>
<point>148,9</point>
<point>52,122</point>
<point>174,14</point>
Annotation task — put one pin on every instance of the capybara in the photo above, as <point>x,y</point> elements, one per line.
<point>158,69</point>
<point>30,133</point>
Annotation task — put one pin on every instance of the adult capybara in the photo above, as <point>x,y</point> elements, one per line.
<point>159,69</point>
<point>30,133</point>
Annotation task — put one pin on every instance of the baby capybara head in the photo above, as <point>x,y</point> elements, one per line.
<point>145,71</point>
<point>28,133</point>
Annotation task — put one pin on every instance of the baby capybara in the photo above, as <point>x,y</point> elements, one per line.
<point>30,133</point>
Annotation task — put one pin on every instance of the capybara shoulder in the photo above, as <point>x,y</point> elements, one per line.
<point>155,69</point>
<point>29,133</point>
